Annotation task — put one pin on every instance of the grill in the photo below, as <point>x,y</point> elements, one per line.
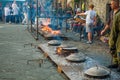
<point>77,57</point>
<point>54,43</point>
<point>66,50</point>
<point>97,73</point>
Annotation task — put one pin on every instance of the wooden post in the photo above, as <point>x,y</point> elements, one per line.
<point>46,55</point>
<point>37,21</point>
<point>59,69</point>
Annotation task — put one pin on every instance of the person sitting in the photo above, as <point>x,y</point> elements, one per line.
<point>76,24</point>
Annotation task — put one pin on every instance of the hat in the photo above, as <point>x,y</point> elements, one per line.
<point>78,9</point>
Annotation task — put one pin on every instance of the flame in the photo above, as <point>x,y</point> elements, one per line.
<point>49,30</point>
<point>56,32</point>
<point>46,29</point>
<point>59,50</point>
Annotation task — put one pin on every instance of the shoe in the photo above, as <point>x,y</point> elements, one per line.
<point>89,42</point>
<point>118,69</point>
<point>113,66</point>
<point>82,36</point>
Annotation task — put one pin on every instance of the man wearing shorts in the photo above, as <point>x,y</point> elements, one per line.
<point>90,22</point>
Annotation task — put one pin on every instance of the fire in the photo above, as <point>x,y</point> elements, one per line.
<point>49,30</point>
<point>46,29</point>
<point>59,50</point>
<point>55,32</point>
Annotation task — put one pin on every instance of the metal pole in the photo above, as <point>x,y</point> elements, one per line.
<point>65,14</point>
<point>37,21</point>
<point>31,15</point>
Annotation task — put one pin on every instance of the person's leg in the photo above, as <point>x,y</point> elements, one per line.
<point>13,18</point>
<point>84,33</point>
<point>114,63</point>
<point>89,31</point>
<point>61,21</point>
<point>78,28</point>
<point>7,20</point>
<point>23,22</point>
<point>90,36</point>
<point>18,18</point>
<point>74,27</point>
<point>118,56</point>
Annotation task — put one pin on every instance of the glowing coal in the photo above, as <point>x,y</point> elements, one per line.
<point>66,50</point>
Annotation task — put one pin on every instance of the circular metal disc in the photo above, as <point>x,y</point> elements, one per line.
<point>54,42</point>
<point>76,57</point>
<point>97,72</point>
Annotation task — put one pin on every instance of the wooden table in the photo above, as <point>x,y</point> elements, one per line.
<point>74,71</point>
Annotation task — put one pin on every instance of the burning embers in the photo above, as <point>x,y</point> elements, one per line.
<point>47,30</point>
<point>66,50</point>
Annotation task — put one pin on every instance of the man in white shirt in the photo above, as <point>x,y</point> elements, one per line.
<point>7,13</point>
<point>15,12</point>
<point>90,21</point>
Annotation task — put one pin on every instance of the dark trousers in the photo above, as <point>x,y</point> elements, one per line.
<point>7,19</point>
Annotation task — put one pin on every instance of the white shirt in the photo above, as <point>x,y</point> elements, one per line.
<point>90,16</point>
<point>7,11</point>
<point>15,9</point>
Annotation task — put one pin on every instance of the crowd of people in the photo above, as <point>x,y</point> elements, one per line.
<point>14,12</point>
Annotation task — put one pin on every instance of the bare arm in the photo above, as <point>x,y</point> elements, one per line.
<point>81,14</point>
<point>105,29</point>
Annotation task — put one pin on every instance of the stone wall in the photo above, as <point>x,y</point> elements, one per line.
<point>100,7</point>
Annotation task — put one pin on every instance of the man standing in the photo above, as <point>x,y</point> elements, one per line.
<point>25,20</point>
<point>114,40</point>
<point>15,12</point>
<point>68,11</point>
<point>7,13</point>
<point>90,21</point>
<point>60,15</point>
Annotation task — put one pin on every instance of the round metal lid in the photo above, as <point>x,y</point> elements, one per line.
<point>69,48</point>
<point>97,72</point>
<point>54,42</point>
<point>76,57</point>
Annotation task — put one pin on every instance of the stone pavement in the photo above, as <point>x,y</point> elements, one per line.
<point>21,61</point>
